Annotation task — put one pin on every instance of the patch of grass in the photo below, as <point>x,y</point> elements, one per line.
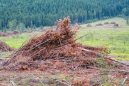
<point>16,41</point>
<point>68,79</point>
<point>108,84</point>
<point>117,40</point>
<point>104,71</point>
<point>123,59</point>
<point>1,79</point>
<point>63,77</point>
<point>5,54</point>
<point>40,84</point>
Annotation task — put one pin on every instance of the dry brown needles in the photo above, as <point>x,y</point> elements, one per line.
<point>4,47</point>
<point>55,49</point>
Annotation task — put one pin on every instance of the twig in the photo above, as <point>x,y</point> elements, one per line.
<point>117,61</point>
<point>39,44</point>
<point>87,50</point>
<point>80,37</point>
<point>124,80</point>
<point>65,83</point>
<point>76,66</point>
<point>38,52</point>
<point>41,82</point>
<point>93,67</point>
<point>120,71</point>
<point>13,83</point>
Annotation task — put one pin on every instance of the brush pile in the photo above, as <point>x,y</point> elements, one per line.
<point>4,47</point>
<point>55,49</point>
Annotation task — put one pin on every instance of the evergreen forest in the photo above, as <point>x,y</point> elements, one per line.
<point>37,13</point>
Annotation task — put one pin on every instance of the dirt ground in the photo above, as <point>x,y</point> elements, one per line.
<point>92,76</point>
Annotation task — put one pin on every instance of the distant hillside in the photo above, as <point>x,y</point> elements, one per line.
<point>45,12</point>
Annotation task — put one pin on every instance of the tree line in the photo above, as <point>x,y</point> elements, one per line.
<point>35,13</point>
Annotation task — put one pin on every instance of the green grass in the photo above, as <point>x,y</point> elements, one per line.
<point>5,54</point>
<point>16,41</point>
<point>123,59</point>
<point>116,39</point>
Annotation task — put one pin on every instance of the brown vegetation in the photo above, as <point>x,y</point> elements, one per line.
<point>113,22</point>
<point>10,33</point>
<point>106,23</point>
<point>56,49</point>
<point>3,34</point>
<point>15,32</point>
<point>4,47</point>
<point>99,24</point>
<point>89,25</point>
<point>6,34</point>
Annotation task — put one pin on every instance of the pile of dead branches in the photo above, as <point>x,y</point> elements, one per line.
<point>4,47</point>
<point>55,49</point>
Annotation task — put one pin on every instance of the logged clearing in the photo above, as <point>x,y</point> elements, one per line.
<point>55,59</point>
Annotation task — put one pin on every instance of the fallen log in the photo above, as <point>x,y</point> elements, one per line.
<point>105,56</point>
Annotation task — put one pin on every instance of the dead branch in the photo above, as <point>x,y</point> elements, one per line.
<point>13,83</point>
<point>99,54</point>
<point>63,82</point>
<point>37,52</point>
<point>116,61</point>
<point>91,51</point>
<point>81,37</point>
<point>121,71</point>
<point>41,82</point>
<point>124,80</point>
